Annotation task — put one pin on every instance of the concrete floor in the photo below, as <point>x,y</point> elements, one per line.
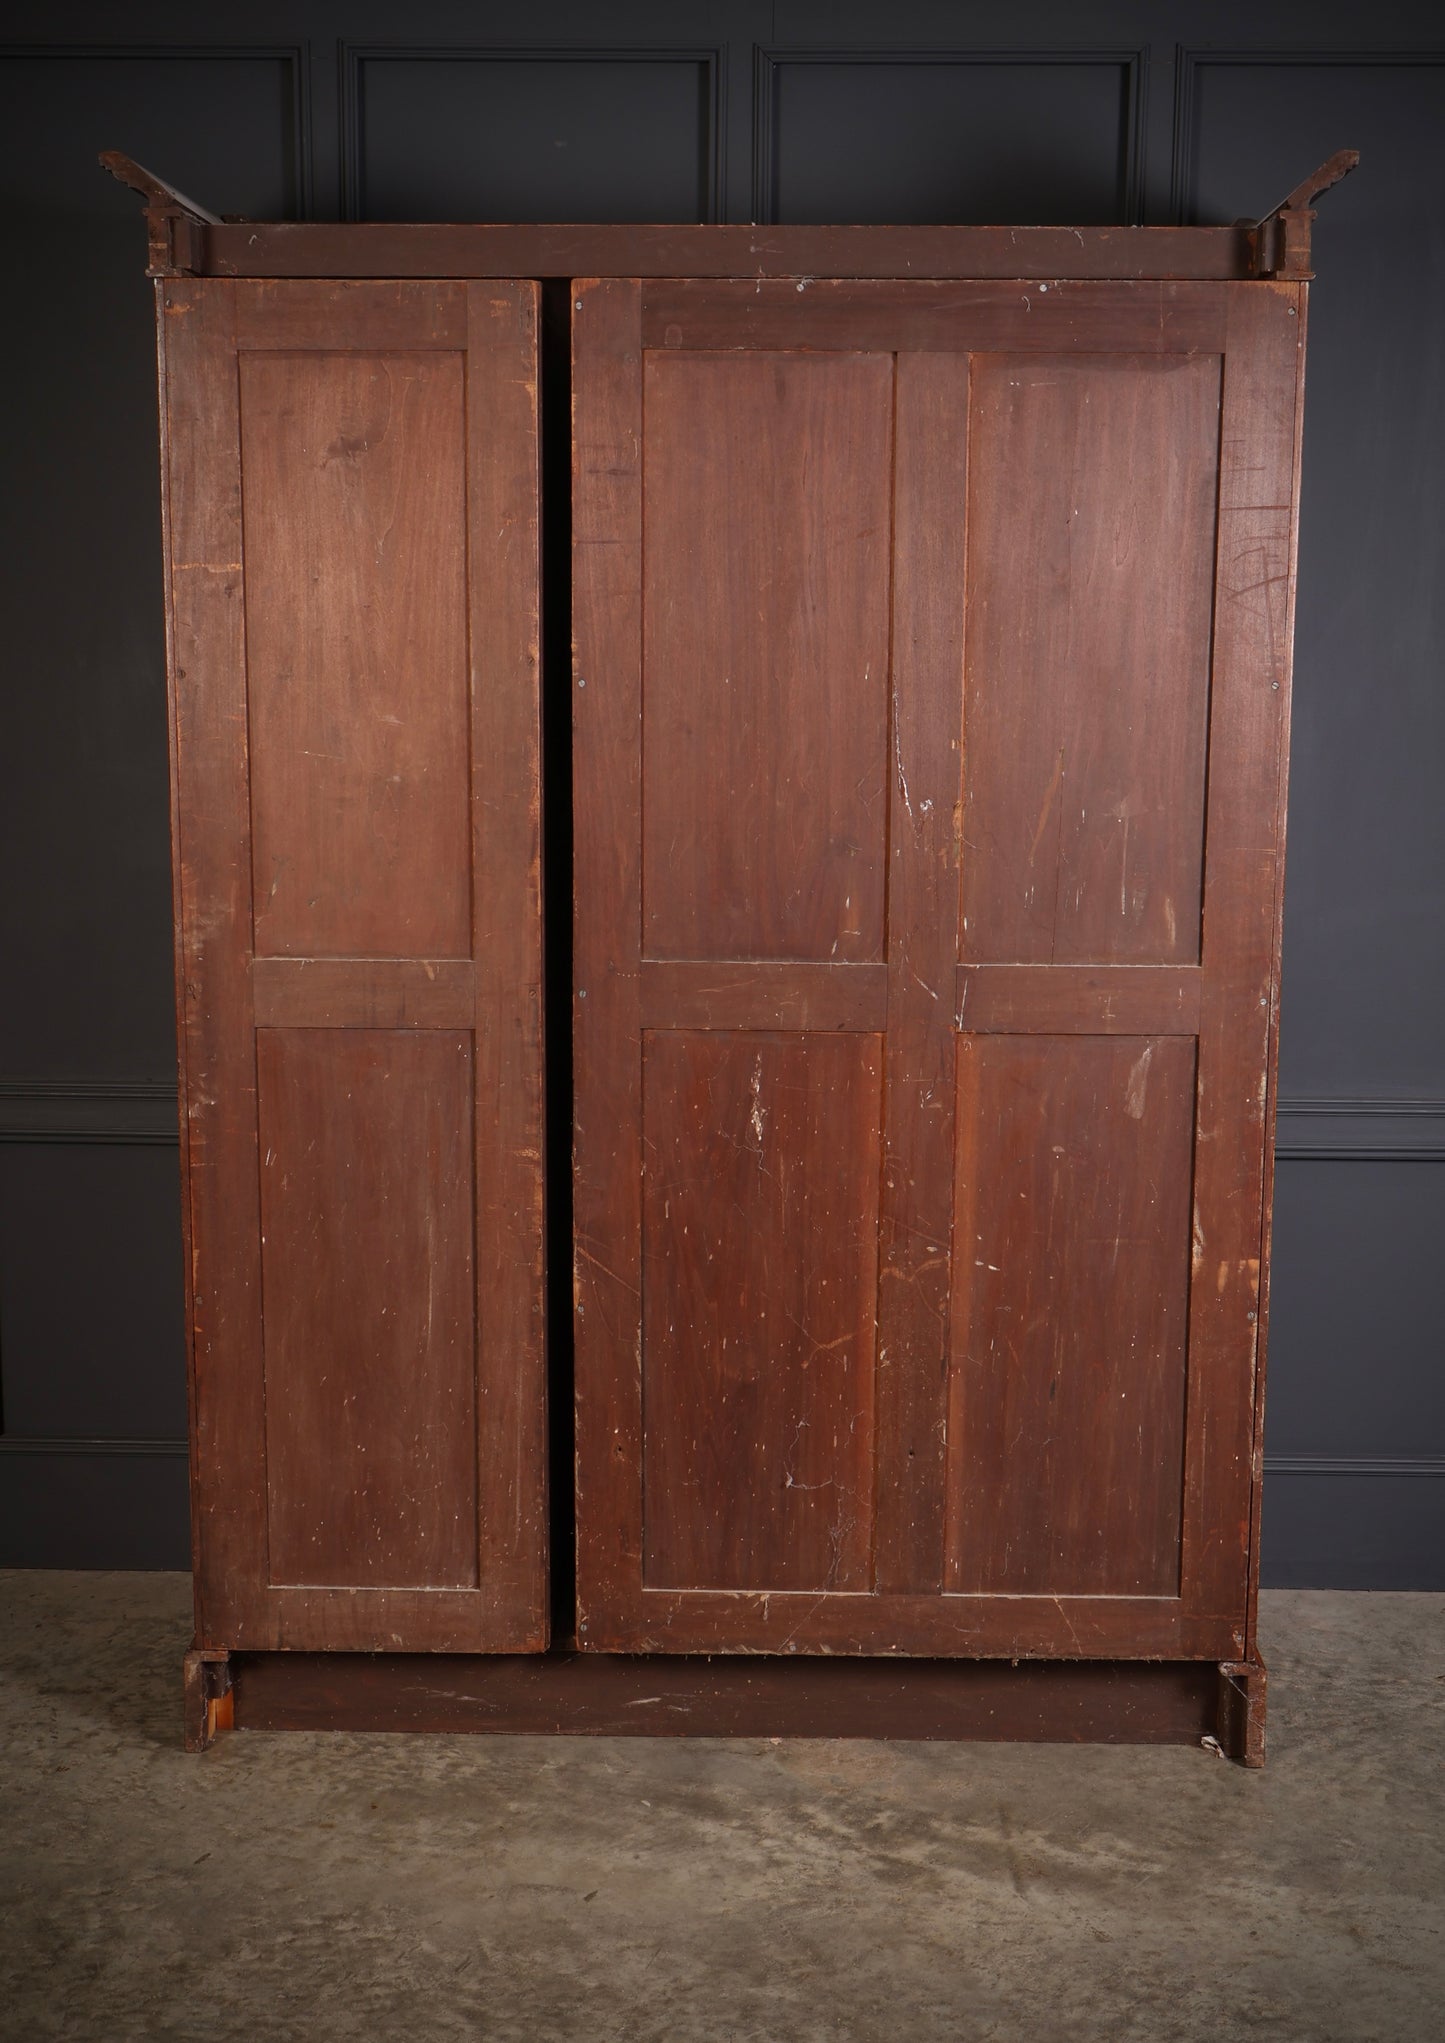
<point>700,1891</point>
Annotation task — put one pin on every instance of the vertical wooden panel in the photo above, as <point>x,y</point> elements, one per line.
<point>1092,502</point>
<point>366,1229</point>
<point>213,899</point>
<point>915,1241</point>
<point>1071,1278</point>
<point>355,524</point>
<point>1070,1482</point>
<point>606,950</point>
<point>506,909</point>
<point>760,1219</point>
<point>404,1467</point>
<point>1254,604</point>
<point>766,626</point>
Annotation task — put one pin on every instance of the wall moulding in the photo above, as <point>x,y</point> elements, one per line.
<point>769,62</point>
<point>353,58</point>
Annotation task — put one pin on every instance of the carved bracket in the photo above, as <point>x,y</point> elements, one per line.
<point>176,225</point>
<point>1282,238</point>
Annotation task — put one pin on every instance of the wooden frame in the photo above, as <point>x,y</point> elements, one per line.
<point>627,998</point>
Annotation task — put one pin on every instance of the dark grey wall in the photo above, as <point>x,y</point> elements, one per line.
<point>1174,109</point>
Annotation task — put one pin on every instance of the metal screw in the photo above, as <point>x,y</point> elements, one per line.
<point>1275,686</point>
<point>1251,1317</point>
<point>577,302</point>
<point>582,993</point>
<point>580,682</point>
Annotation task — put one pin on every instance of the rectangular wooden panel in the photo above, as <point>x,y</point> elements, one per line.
<point>1070,1296</point>
<point>332,315</point>
<point>364,993</point>
<point>765,619</point>
<point>502,249</point>
<point>727,995</point>
<point>369,1466</point>
<point>648,1696</point>
<point>370,1336</point>
<point>356,651</point>
<point>1092,1000</point>
<point>950,318</point>
<point>1092,494</point>
<point>759,1272</point>
<point>1058,1462</point>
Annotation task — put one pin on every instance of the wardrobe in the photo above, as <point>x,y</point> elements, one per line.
<point>931,598</point>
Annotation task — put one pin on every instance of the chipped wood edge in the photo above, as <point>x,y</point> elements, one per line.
<point>210,1700</point>
<point>1242,1698</point>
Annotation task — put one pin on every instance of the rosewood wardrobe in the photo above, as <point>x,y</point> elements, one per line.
<point>931,603</point>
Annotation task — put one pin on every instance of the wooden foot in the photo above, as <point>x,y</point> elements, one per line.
<point>1241,1710</point>
<point>210,1700</point>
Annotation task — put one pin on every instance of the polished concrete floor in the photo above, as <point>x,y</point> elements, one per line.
<point>668,1892</point>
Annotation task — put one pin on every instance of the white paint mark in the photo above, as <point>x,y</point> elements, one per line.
<point>898,761</point>
<point>757,1119</point>
<point>1138,1084</point>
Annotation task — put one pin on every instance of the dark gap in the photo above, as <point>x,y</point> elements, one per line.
<point>556,563</point>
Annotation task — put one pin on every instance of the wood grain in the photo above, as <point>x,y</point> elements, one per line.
<point>497,249</point>
<point>759,1275</point>
<point>503,600</point>
<point>1253,603</point>
<point>1092,487</point>
<point>916,1220</point>
<point>207,682</point>
<point>1070,1297</point>
<point>607,949</point>
<point>951,318</point>
<point>765,619</point>
<point>364,993</point>
<point>1096,1000</point>
<point>331,315</point>
<point>356,633</point>
<point>366,1233</point>
<point>762,994</point>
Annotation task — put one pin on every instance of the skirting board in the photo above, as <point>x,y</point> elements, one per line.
<point>1172,1702</point>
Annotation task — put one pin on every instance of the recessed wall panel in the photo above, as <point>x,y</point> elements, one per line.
<point>367,1224</point>
<point>760,1214</point>
<point>942,139</point>
<point>1070,1296</point>
<point>523,135</point>
<point>1092,497</point>
<point>766,522</point>
<point>356,652</point>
